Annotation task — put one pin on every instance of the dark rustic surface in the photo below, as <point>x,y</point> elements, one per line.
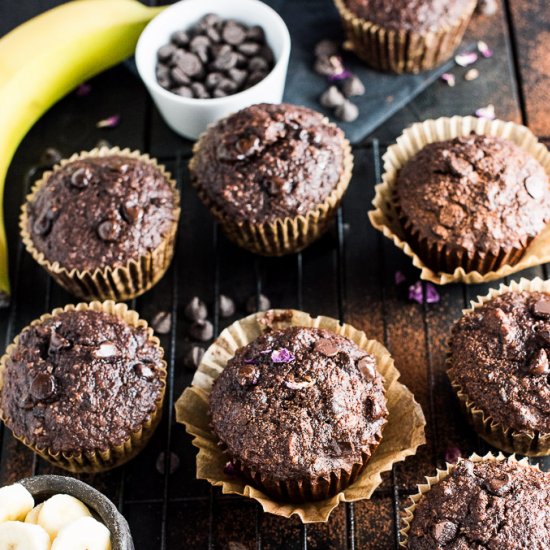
<point>348,274</point>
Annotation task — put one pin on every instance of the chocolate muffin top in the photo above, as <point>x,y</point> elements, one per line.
<point>101,211</point>
<point>411,15</point>
<point>269,161</point>
<point>499,355</point>
<point>495,505</point>
<point>475,193</point>
<point>81,380</point>
<point>299,403</point>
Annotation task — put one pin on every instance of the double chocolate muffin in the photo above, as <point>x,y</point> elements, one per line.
<point>499,363</point>
<point>103,213</point>
<point>272,175</point>
<point>83,388</point>
<point>474,202</point>
<point>490,504</point>
<point>299,412</point>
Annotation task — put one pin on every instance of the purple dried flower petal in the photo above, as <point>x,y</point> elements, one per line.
<point>249,361</point>
<point>452,454</point>
<point>432,295</point>
<point>449,79</point>
<point>340,76</point>
<point>486,112</point>
<point>466,58</point>
<point>399,278</point>
<point>109,122</point>
<point>282,356</point>
<point>415,292</point>
<point>484,49</point>
<point>229,469</point>
<point>84,89</point>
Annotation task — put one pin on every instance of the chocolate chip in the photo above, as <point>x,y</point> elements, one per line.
<point>258,64</point>
<point>166,52</point>
<point>248,375</point>
<point>249,48</point>
<point>162,322</point>
<point>227,86</point>
<point>190,64</point>
<point>538,363</point>
<point>367,367</point>
<point>331,98</point>
<point>106,350</point>
<point>225,61</point>
<point>180,38</point>
<point>50,156</point>
<point>173,463</point>
<point>196,309</point>
<point>183,91</point>
<point>255,33</point>
<point>213,34</point>
<point>144,371</point>
<point>130,211</point>
<point>246,146</point>
<point>109,230</point>
<point>541,308</point>
<point>233,33</point>
<point>226,306</point>
<point>237,75</point>
<point>499,485</point>
<point>277,185</point>
<point>199,42</point>
<point>458,166</point>
<point>194,357</point>
<point>326,347</point>
<point>179,76</point>
<point>81,178</point>
<point>255,77</point>
<point>324,66</point>
<point>57,343</point>
<point>347,112</point>
<point>326,48</point>
<point>543,336</point>
<point>213,79</point>
<point>202,330</point>
<point>219,93</point>
<point>352,86</point>
<point>209,20</point>
<point>43,386</point>
<point>257,303</point>
<point>199,91</point>
<point>536,186</point>
<point>444,531</point>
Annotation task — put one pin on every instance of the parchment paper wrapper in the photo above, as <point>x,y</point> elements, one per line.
<point>403,433</point>
<point>385,216</point>
<point>408,513</point>
<point>402,51</point>
<point>98,460</point>
<point>505,438</point>
<point>117,282</point>
<point>284,235</point>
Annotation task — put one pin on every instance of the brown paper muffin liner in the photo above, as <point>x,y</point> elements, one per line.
<point>284,235</point>
<point>505,438</point>
<point>117,282</point>
<point>98,460</point>
<point>408,513</point>
<point>403,433</point>
<point>385,216</point>
<point>402,51</point>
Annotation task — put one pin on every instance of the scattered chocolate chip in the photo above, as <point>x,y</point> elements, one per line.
<point>257,303</point>
<point>105,350</point>
<point>199,91</point>
<point>458,166</point>
<point>144,371</point>
<point>226,306</point>
<point>183,91</point>
<point>210,20</point>
<point>180,38</point>
<point>162,322</point>
<point>57,343</point>
<point>535,187</point>
<point>324,67</point>
<point>254,78</point>
<point>541,309</point>
<point>109,230</point>
<point>166,52</point>
<point>219,93</point>
<point>326,347</point>
<point>248,375</point>
<point>199,42</point>
<point>258,64</point>
<point>487,7</point>
<point>213,34</point>
<point>237,75</point>
<point>50,156</point>
<point>179,76</point>
<point>190,64</point>
<point>170,463</point>
<point>255,33</point>
<point>352,86</point>
<point>347,112</point>
<point>499,485</point>
<point>43,386</point>
<point>326,48</point>
<point>196,309</point>
<point>194,357</point>
<point>202,330</point>
<point>331,98</point>
<point>81,178</point>
<point>249,48</point>
<point>246,146</point>
<point>233,33</point>
<point>213,79</point>
<point>227,85</point>
<point>444,531</point>
<point>538,363</point>
<point>130,211</point>
<point>367,367</point>
<point>225,61</point>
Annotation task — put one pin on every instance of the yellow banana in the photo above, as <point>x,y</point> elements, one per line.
<point>47,57</point>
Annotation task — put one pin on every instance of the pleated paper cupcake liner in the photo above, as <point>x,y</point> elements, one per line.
<point>497,434</point>
<point>431,259</point>
<point>117,282</point>
<point>98,460</point>
<point>403,433</point>
<point>402,51</point>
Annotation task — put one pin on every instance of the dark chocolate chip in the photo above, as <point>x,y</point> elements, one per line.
<point>199,42</point>
<point>277,185</point>
<point>194,357</point>
<point>166,52</point>
<point>237,75</point>
<point>538,364</point>
<point>130,211</point>
<point>144,371</point>
<point>179,76</point>
<point>543,336</point>
<point>43,386</point>
<point>326,347</point>
<point>164,462</point>
<point>180,38</point>
<point>331,98</point>
<point>190,64</point>
<point>233,33</point>
<point>162,322</point>
<point>242,60</point>
<point>367,367</point>
<point>210,20</point>
<point>213,34</point>
<point>324,66</point>
<point>326,48</point>
<point>458,166</point>
<point>444,531</point>
<point>499,485</point>
<point>352,86</point>
<point>536,186</point>
<point>258,64</point>
<point>50,156</point>
<point>199,90</point>
<point>196,309</point>
<point>255,33</point>
<point>202,330</point>
<point>81,178</point>
<point>347,112</point>
<point>225,61</point>
<point>249,48</point>
<point>247,146</point>
<point>227,86</point>
<point>541,308</point>
<point>221,49</point>
<point>183,91</point>
<point>213,79</point>
<point>255,77</point>
<point>226,306</point>
<point>257,303</point>
<point>248,375</point>
<point>109,230</point>
<point>57,343</point>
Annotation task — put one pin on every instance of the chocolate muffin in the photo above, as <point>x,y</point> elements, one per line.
<point>299,412</point>
<point>405,35</point>
<point>84,388</point>
<point>499,362</point>
<point>103,212</point>
<point>474,202</point>
<point>489,504</point>
<point>272,175</point>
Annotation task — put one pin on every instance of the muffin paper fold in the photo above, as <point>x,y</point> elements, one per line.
<point>118,282</point>
<point>403,433</point>
<point>98,460</point>
<point>402,51</point>
<point>408,513</point>
<point>385,216</point>
<point>505,438</point>
<point>284,235</point>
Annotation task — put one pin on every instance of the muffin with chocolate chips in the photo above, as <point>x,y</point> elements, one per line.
<point>499,366</point>
<point>473,202</point>
<point>84,386</point>
<point>299,412</point>
<point>272,175</point>
<point>103,223</point>
<point>481,503</point>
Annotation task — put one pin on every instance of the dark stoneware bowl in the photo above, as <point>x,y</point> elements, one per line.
<point>43,487</point>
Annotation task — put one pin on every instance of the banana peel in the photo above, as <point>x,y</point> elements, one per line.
<point>47,57</point>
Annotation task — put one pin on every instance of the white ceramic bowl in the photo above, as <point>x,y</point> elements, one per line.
<point>189,117</point>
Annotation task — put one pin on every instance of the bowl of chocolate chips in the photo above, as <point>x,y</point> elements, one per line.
<point>204,59</point>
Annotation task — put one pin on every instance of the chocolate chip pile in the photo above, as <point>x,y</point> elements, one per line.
<point>214,58</point>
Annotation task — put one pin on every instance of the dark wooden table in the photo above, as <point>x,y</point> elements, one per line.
<point>348,274</point>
